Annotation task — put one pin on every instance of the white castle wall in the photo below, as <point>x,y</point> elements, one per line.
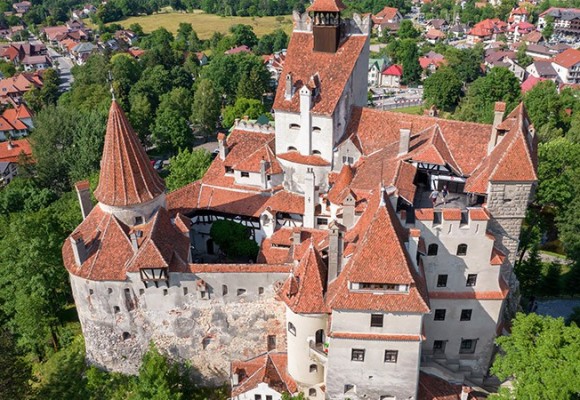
<point>209,332</point>
<point>128,214</point>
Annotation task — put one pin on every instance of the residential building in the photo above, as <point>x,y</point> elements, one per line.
<point>518,15</point>
<point>542,69</point>
<point>12,89</point>
<point>332,189</point>
<point>567,66</point>
<point>11,152</point>
<point>376,69</point>
<point>486,30</point>
<point>387,20</point>
<point>566,20</point>
<point>22,7</point>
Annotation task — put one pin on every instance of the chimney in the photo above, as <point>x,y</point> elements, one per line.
<point>296,237</point>
<point>335,249</point>
<point>348,211</point>
<point>465,393</point>
<point>305,120</point>
<point>84,196</point>
<point>223,149</point>
<point>414,236</point>
<point>235,379</point>
<point>10,146</point>
<point>289,86</point>
<point>499,110</point>
<point>134,242</point>
<point>309,199</point>
<point>78,247</point>
<point>263,176</point>
<point>404,139</point>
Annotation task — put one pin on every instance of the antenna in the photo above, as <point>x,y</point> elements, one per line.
<point>110,79</point>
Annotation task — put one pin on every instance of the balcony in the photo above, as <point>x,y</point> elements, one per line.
<point>318,353</point>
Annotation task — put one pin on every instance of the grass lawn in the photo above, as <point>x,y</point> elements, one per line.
<point>206,24</point>
<point>417,110</point>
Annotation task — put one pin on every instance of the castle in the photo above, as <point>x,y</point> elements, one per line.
<point>363,287</point>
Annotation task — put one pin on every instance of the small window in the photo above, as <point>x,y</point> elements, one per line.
<point>442,280</point>
<point>126,335</point>
<point>377,320</point>
<point>321,221</point>
<point>347,160</point>
<point>467,346</point>
<point>316,152</point>
<point>268,177</point>
<point>185,291</point>
<point>440,315</point>
<point>141,292</point>
<point>109,290</point>
<point>257,397</point>
<point>165,292</point>
<point>357,355</point>
<point>462,249</point>
<point>348,388</point>
<point>224,290</point>
<point>471,280</point>
<point>116,309</point>
<point>438,347</point>
<point>268,397</point>
<point>260,290</point>
<point>311,392</point>
<point>294,126</point>
<point>313,368</point>
<point>138,220</point>
<point>271,342</point>
<point>437,218</point>
<point>245,174</point>
<point>90,291</point>
<point>205,342</point>
<point>391,356</point>
<point>229,170</point>
<point>292,148</point>
<point>316,129</point>
<point>291,328</point>
<point>465,315</point>
<point>241,292</point>
<point>432,249</point>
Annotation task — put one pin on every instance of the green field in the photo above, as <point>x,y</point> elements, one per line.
<point>206,24</point>
<point>409,110</point>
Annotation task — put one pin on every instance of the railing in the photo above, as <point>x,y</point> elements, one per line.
<point>318,353</point>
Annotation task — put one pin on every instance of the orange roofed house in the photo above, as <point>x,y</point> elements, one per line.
<point>363,287</point>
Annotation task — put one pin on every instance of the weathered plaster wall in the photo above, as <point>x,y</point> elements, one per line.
<point>119,319</point>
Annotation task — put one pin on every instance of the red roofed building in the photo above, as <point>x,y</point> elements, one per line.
<point>363,267</point>
<point>488,29</point>
<point>387,19</point>
<point>11,153</point>
<point>567,66</point>
<point>391,77</point>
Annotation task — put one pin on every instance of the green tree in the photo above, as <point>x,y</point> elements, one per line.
<point>244,35</point>
<point>498,85</point>
<point>186,167</point>
<point>125,71</point>
<point>407,30</point>
<point>409,58</point>
<point>466,63</point>
<point>250,107</point>
<point>7,69</point>
<point>15,372</point>
<point>171,131</point>
<point>206,106</point>
<point>522,58</point>
<point>234,239</point>
<point>141,115</point>
<point>541,355</point>
<point>544,106</point>
<point>551,280</point>
<point>548,30</point>
<point>443,89</point>
<point>529,273</point>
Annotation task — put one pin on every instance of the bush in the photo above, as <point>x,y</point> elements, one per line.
<point>234,239</point>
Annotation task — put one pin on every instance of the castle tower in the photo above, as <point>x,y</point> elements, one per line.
<point>129,187</point>
<point>326,27</point>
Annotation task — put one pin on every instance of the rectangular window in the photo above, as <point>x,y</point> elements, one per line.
<point>357,355</point>
<point>467,346</point>
<point>439,347</point>
<point>439,315</point>
<point>321,221</point>
<point>245,174</point>
<point>377,320</point>
<point>257,397</point>
<point>271,342</point>
<point>391,356</point>
<point>229,170</point>
<point>347,160</point>
<point>441,280</point>
<point>471,280</point>
<point>465,315</point>
<point>268,397</point>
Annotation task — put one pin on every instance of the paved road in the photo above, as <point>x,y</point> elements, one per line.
<point>557,307</point>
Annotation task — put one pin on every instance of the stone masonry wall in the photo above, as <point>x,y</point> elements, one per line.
<point>209,333</point>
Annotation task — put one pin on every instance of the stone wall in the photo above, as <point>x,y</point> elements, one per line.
<point>208,332</point>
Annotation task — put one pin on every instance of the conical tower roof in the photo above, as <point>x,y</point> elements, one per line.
<point>127,176</point>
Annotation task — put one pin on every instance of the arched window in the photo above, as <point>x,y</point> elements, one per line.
<point>126,335</point>
<point>313,368</point>
<point>432,249</point>
<point>224,290</point>
<point>294,126</point>
<point>316,129</point>
<point>292,148</point>
<point>462,249</point>
<point>316,152</point>
<point>311,392</point>
<point>291,328</point>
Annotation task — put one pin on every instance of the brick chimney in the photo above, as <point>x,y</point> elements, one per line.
<point>404,138</point>
<point>223,149</point>
<point>498,112</point>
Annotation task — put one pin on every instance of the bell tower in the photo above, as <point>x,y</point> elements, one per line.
<point>326,24</point>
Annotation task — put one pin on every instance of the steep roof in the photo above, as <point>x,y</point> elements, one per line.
<point>333,69</point>
<point>395,69</point>
<point>567,58</point>
<point>327,5</point>
<point>269,368</point>
<point>10,151</point>
<point>387,13</point>
<point>126,177</point>
<point>304,289</point>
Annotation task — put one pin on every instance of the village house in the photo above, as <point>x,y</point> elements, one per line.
<point>22,7</point>
<point>15,122</point>
<point>376,69</point>
<point>391,76</point>
<point>331,189</point>
<point>567,66</point>
<point>430,62</point>
<point>488,29</point>
<point>274,63</point>
<point>387,20</point>
<point>12,89</point>
<point>566,20</point>
<point>11,152</point>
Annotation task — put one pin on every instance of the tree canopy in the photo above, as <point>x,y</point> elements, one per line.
<point>187,166</point>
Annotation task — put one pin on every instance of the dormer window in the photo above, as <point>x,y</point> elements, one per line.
<point>292,148</point>
<point>379,287</point>
<point>229,170</point>
<point>316,152</point>
<point>316,129</point>
<point>294,126</point>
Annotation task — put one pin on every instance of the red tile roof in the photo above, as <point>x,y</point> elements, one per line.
<point>296,157</point>
<point>270,368</point>
<point>326,5</point>
<point>434,388</point>
<point>333,69</point>
<point>126,177</point>
<point>340,189</point>
<point>10,151</point>
<point>239,268</point>
<point>567,58</point>
<point>252,163</point>
<point>395,70</point>
<point>388,13</point>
